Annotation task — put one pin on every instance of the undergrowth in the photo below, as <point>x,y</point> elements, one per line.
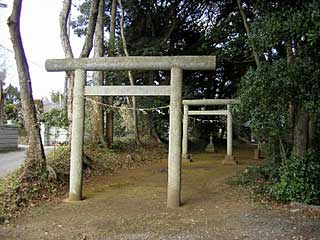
<point>17,194</point>
<point>297,179</point>
<point>257,179</point>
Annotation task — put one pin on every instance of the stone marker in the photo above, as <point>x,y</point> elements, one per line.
<point>210,148</point>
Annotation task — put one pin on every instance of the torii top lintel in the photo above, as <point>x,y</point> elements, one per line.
<point>132,63</point>
<point>197,102</point>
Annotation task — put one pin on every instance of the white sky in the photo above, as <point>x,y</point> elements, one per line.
<point>40,36</point>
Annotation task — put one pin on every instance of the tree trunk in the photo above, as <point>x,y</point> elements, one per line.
<point>109,122</point>
<point>300,138</point>
<point>109,113</point>
<point>311,134</point>
<point>36,161</point>
<point>246,26</point>
<point>71,76</point>
<point>153,135</point>
<point>112,44</point>
<point>64,28</point>
<point>88,42</point>
<point>291,119</point>
<point>66,24</point>
<point>292,107</point>
<point>97,113</point>
<point>151,128</point>
<point>65,94</point>
<point>134,103</point>
<point>66,46</point>
<point>1,101</point>
<point>65,42</point>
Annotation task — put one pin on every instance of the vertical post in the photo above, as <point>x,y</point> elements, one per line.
<point>229,131</point>
<point>185,155</point>
<point>229,158</point>
<point>75,191</point>
<point>174,157</point>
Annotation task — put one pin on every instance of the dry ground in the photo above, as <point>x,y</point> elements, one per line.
<point>132,205</point>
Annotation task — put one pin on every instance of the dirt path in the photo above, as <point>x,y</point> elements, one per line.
<point>132,205</point>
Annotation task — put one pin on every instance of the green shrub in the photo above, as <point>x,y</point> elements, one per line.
<point>299,180</point>
<point>257,174</point>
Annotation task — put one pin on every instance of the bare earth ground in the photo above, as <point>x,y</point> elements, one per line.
<point>132,205</point>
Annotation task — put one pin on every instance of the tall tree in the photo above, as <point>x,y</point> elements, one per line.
<point>287,79</point>
<point>111,53</point>
<point>68,53</point>
<point>64,21</point>
<point>126,52</point>
<point>35,162</point>
<point>65,42</point>
<point>97,117</point>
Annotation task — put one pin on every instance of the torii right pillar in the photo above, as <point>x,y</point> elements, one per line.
<point>229,158</point>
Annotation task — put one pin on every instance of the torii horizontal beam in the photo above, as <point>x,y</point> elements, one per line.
<point>208,112</point>
<point>132,63</point>
<point>197,102</point>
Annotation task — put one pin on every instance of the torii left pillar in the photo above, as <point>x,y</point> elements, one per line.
<point>174,159</point>
<point>75,190</point>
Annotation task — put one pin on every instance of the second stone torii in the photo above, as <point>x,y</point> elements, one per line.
<point>229,158</point>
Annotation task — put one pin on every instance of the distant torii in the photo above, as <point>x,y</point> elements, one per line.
<point>229,158</point>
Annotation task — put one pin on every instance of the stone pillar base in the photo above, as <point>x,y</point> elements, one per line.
<point>72,199</point>
<point>210,148</point>
<point>229,160</point>
<point>186,158</point>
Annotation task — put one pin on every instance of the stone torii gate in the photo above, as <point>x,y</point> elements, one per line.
<point>229,158</point>
<point>175,64</point>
